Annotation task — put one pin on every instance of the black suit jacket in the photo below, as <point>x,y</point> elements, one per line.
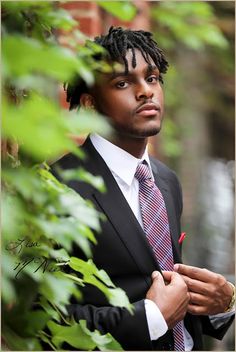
<point>124,253</point>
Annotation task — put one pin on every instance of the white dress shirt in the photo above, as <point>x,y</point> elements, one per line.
<point>123,167</point>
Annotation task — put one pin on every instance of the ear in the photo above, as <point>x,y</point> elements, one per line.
<point>87,101</point>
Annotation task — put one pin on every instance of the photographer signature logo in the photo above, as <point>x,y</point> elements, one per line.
<point>36,263</point>
<point>18,245</point>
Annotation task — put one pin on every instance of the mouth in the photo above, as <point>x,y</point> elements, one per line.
<point>148,109</point>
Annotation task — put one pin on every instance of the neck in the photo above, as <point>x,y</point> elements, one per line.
<point>133,146</point>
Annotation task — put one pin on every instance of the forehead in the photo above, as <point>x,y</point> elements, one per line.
<point>118,67</point>
<point>139,59</point>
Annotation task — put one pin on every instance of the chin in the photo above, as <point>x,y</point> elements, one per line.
<point>149,132</point>
<point>151,129</point>
<point>139,132</point>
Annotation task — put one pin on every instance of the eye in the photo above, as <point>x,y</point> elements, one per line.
<point>122,84</point>
<point>153,79</point>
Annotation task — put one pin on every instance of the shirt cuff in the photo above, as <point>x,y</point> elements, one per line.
<point>220,319</point>
<point>156,323</point>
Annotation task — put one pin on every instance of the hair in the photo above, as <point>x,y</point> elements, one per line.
<point>116,43</point>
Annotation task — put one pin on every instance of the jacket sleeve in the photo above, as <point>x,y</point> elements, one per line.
<point>130,331</point>
<point>218,333</point>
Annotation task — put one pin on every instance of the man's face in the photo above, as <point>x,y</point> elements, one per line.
<point>133,103</point>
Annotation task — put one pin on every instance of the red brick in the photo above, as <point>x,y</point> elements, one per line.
<point>83,5</point>
<point>90,26</point>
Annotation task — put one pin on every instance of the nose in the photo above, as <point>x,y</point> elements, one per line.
<point>144,91</point>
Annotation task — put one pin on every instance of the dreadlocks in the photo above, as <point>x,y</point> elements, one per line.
<point>116,43</point>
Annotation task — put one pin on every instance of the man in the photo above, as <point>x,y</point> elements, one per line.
<point>139,241</point>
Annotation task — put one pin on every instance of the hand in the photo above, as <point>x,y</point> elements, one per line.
<point>210,293</point>
<point>171,298</point>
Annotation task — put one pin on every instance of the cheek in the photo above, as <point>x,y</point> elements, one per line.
<point>162,100</point>
<point>160,95</point>
<point>114,105</point>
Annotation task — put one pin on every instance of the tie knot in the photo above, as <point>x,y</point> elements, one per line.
<point>142,172</point>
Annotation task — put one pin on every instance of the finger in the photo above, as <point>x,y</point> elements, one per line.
<point>157,278</point>
<point>197,310</point>
<point>198,299</point>
<point>197,286</point>
<point>173,278</point>
<point>194,272</point>
<point>155,274</point>
<point>186,278</point>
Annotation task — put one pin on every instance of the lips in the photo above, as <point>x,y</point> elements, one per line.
<point>148,109</point>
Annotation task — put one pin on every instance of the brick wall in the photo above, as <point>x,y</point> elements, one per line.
<point>88,15</point>
<point>93,20</point>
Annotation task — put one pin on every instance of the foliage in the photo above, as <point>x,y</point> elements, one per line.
<point>191,24</point>
<point>71,332</point>
<point>42,217</point>
<point>183,27</point>
<point>124,10</point>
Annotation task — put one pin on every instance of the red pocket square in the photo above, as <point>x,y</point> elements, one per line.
<point>182,237</point>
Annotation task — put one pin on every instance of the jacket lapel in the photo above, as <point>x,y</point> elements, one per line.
<point>121,216</point>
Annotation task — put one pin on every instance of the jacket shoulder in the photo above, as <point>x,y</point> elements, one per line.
<point>162,169</point>
<point>67,161</point>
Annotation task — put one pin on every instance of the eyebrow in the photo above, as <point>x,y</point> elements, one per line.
<point>149,68</point>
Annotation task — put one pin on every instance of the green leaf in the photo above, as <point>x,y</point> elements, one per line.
<point>8,262</point>
<point>103,342</point>
<point>81,338</point>
<point>33,57</point>
<point>85,121</point>
<point>191,23</point>
<point>59,254</point>
<point>58,18</point>
<point>81,174</point>
<point>16,6</point>
<point>57,290</point>
<point>86,232</point>
<point>43,336</point>
<point>118,298</point>
<point>213,36</point>
<point>99,278</point>
<point>73,335</point>
<point>40,118</point>
<point>75,279</point>
<point>80,209</point>
<point>36,320</point>
<point>89,268</point>
<point>49,309</point>
<point>8,290</point>
<point>124,10</point>
<point>26,183</point>
<point>12,213</point>
<point>18,343</point>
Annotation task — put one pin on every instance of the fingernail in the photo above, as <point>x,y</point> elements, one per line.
<point>176,267</point>
<point>155,274</point>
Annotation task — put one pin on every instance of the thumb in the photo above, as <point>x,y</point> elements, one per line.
<point>157,277</point>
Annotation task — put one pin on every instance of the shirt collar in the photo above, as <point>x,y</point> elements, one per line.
<point>119,161</point>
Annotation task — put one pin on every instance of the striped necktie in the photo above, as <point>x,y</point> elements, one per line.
<point>156,228</point>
